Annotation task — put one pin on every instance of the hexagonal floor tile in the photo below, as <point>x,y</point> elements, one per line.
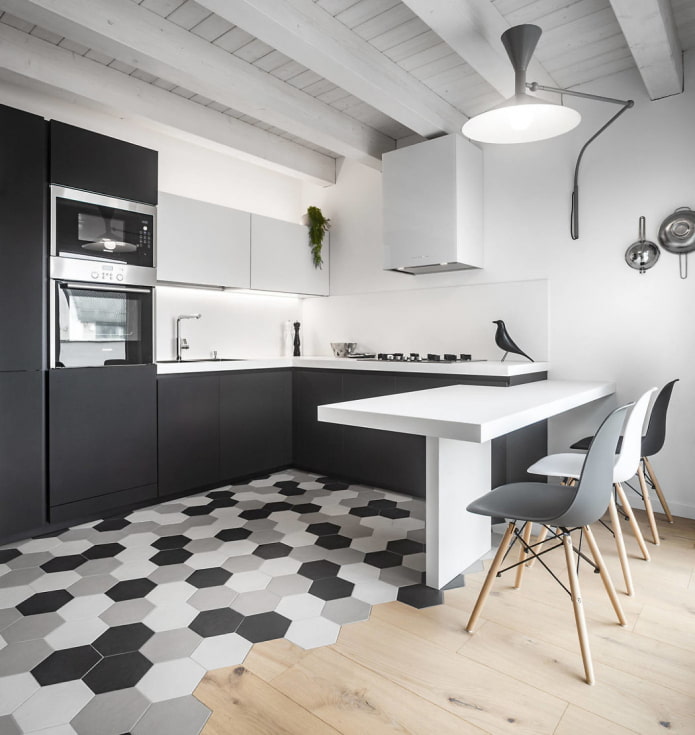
<point>183,715</point>
<point>263,627</point>
<point>52,706</point>
<point>65,665</point>
<point>117,672</point>
<point>111,713</point>
<point>122,639</point>
<point>171,644</point>
<point>222,650</point>
<point>313,632</point>
<point>171,679</point>
<point>216,622</point>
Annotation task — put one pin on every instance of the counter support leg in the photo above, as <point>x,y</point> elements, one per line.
<point>458,472</point>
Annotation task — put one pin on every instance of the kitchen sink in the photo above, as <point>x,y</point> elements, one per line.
<point>204,359</point>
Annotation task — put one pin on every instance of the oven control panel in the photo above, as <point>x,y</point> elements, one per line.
<point>88,270</point>
<point>108,273</point>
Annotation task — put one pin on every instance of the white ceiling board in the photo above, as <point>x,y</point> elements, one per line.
<point>50,65</point>
<point>684,14</point>
<point>650,31</point>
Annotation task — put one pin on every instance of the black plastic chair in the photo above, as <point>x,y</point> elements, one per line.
<point>563,510</point>
<point>652,443</point>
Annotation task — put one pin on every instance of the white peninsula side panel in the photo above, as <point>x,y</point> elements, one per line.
<point>281,258</point>
<point>202,244</point>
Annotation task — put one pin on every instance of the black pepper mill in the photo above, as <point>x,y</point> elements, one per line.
<point>296,353</point>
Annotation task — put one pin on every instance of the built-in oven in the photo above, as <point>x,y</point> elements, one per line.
<point>87,226</point>
<point>100,314</point>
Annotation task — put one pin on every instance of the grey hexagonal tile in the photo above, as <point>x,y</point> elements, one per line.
<point>111,713</point>
<point>168,645</point>
<point>346,610</point>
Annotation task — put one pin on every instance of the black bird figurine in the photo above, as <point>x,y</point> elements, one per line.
<point>505,342</point>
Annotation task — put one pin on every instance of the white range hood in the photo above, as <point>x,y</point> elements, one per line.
<point>433,206</point>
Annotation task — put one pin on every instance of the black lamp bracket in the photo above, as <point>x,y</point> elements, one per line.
<point>625,105</point>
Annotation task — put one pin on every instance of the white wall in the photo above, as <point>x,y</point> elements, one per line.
<point>605,321</point>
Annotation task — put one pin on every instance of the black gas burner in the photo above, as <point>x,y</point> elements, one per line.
<point>416,357</point>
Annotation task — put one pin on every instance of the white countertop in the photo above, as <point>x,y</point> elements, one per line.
<point>491,368</point>
<point>466,412</point>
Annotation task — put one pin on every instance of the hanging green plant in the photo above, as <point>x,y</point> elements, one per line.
<point>318,226</point>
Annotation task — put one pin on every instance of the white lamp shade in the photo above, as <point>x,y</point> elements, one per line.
<point>522,119</point>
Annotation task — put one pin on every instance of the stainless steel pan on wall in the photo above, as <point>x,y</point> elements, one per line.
<point>677,235</point>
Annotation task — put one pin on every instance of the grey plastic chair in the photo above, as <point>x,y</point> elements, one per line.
<point>561,509</point>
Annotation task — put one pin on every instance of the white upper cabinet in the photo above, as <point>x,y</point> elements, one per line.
<point>281,258</point>
<point>202,244</point>
<point>433,206</point>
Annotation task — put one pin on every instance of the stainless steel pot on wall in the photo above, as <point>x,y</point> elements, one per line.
<point>677,235</point>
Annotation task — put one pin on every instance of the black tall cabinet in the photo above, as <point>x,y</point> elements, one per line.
<point>23,153</point>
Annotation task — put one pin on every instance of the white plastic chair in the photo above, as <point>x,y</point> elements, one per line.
<point>569,466</point>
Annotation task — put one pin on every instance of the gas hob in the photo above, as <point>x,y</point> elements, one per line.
<point>447,357</point>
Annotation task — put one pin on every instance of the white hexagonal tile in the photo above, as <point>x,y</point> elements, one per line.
<point>138,540</point>
<point>134,570</point>
<point>300,607</point>
<point>170,679</point>
<point>375,591</point>
<point>359,572</point>
<point>68,548</point>
<point>88,606</point>
<point>208,559</point>
<point>55,581</point>
<point>53,705</point>
<point>170,593</point>
<point>170,617</point>
<point>248,581</point>
<point>15,690</point>
<point>221,650</point>
<point>136,554</point>
<point>12,596</point>
<point>38,544</point>
<point>252,603</point>
<point>81,632</point>
<point>205,531</point>
<point>313,632</point>
<point>280,567</point>
<point>299,538</point>
<point>415,561</point>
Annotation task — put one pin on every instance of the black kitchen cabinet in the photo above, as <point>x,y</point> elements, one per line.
<point>82,159</point>
<point>255,422</point>
<point>102,439</point>
<point>22,234</point>
<point>22,488</point>
<point>188,411</point>
<point>317,446</point>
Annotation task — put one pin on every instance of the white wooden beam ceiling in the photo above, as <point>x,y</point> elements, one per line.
<point>305,32</point>
<point>650,31</point>
<point>144,40</point>
<point>43,62</point>
<point>472,28</point>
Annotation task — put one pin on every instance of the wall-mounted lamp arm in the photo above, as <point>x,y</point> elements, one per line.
<point>626,105</point>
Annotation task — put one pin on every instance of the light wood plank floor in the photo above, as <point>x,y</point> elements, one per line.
<point>418,671</point>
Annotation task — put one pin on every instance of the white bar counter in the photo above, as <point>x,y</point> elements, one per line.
<point>459,422</point>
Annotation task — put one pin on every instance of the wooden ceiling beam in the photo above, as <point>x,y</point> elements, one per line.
<point>650,31</point>
<point>125,96</point>
<point>305,32</point>
<point>140,38</point>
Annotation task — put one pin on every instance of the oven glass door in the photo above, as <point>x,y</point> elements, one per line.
<point>101,325</point>
<point>94,227</point>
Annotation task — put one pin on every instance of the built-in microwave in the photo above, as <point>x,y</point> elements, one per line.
<point>93,227</point>
<point>100,314</point>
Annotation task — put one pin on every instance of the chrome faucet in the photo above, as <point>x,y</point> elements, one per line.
<point>182,344</point>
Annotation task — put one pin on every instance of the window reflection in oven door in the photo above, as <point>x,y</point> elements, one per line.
<point>96,325</point>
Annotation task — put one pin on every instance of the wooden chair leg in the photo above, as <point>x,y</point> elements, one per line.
<point>538,545</point>
<point>605,577</point>
<point>526,536</point>
<point>620,546</point>
<point>659,492</point>
<point>489,580</point>
<point>578,609</point>
<point>648,505</point>
<point>627,508</point>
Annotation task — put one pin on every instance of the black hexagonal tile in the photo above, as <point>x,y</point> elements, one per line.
<point>263,627</point>
<point>254,514</point>
<point>335,486</point>
<point>213,577</point>
<point>333,542</point>
<point>130,589</point>
<point>122,639</point>
<point>233,534</point>
<point>364,511</point>
<point>63,563</point>
<point>171,556</point>
<point>405,546</point>
<point>222,502</point>
<point>286,484</point>
<point>220,494</point>
<point>197,510</point>
<point>323,529</point>
<point>170,542</point>
<point>302,508</point>
<point>8,554</point>
<point>65,665</point>
<point>277,505</point>
<point>331,589</point>
<point>103,551</point>
<point>419,595</point>
<point>319,569</point>
<point>292,491</point>
<point>382,559</point>
<point>216,622</point>
<point>394,513</point>
<point>382,503</point>
<point>43,602</point>
<point>112,524</point>
<point>272,551</point>
<point>117,672</point>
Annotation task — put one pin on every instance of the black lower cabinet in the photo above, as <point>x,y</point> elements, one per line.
<point>188,408</point>
<point>102,439</point>
<point>255,422</point>
<point>22,484</point>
